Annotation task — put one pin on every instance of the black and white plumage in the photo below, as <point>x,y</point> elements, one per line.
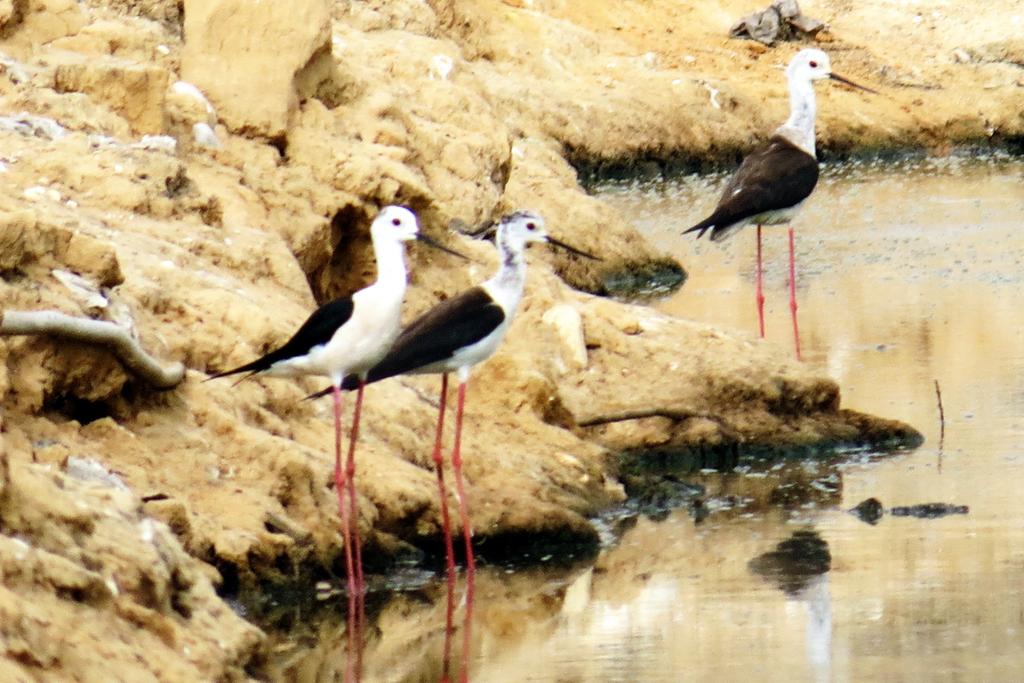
<point>774,180</point>
<point>348,335</point>
<point>767,189</point>
<point>345,338</point>
<point>467,329</point>
<point>317,331</point>
<point>458,334</point>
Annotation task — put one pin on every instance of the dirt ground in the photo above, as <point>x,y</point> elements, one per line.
<point>203,173</point>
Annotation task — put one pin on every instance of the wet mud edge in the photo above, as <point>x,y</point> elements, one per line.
<point>654,479</point>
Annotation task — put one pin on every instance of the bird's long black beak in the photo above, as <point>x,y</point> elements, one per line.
<point>437,245</point>
<point>572,250</point>
<point>847,81</point>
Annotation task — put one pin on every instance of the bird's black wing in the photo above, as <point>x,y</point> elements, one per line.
<point>318,329</point>
<point>453,324</point>
<point>776,176</point>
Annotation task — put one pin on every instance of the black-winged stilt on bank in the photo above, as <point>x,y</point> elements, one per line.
<point>466,330</point>
<point>345,338</point>
<point>456,335</point>
<point>775,179</point>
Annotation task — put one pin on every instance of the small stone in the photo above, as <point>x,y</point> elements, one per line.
<point>205,136</point>
<point>186,90</point>
<point>161,143</point>
<point>441,67</point>
<point>35,193</point>
<point>869,511</point>
<point>568,325</point>
<point>962,56</point>
<point>90,470</point>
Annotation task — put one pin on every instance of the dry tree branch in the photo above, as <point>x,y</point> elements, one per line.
<point>640,413</point>
<point>102,333</point>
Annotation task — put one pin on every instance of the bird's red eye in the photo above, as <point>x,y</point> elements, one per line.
<point>396,221</point>
<point>531,226</point>
<point>814,65</point>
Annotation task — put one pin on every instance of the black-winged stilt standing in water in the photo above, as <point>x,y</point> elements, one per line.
<point>775,179</point>
<point>456,335</point>
<point>345,338</point>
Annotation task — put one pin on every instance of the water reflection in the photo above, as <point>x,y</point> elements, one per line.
<point>907,275</point>
<point>795,562</point>
<point>588,621</point>
<point>798,567</point>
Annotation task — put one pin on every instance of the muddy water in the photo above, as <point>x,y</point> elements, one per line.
<point>908,273</point>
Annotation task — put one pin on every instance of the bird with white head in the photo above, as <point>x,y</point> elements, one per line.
<point>774,180</point>
<point>345,338</point>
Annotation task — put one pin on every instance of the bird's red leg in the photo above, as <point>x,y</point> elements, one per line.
<point>340,487</point>
<point>760,285</point>
<point>438,458</point>
<point>792,294</point>
<point>346,529</point>
<point>467,531</point>
<point>467,527</point>
<point>354,521</point>
<point>446,527</point>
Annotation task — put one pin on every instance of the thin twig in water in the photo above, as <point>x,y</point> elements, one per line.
<point>99,332</point>
<point>942,422</point>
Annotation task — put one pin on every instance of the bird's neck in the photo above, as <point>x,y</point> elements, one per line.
<point>799,127</point>
<point>511,275</point>
<point>390,255</point>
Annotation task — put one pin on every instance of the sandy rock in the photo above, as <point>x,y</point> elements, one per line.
<point>168,12</point>
<point>247,58</point>
<point>135,40</point>
<point>42,21</point>
<point>1010,51</point>
<point>568,323</point>
<point>10,14</point>
<point>722,391</point>
<point>133,90</point>
<point>78,557</point>
<point>188,103</point>
<point>406,131</point>
<point>20,242</point>
<point>94,257</point>
<point>25,241</point>
<point>405,15</point>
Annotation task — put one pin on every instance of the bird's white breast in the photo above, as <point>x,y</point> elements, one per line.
<point>358,344</point>
<point>471,355</point>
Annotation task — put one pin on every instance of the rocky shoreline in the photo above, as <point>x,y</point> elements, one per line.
<point>203,174</point>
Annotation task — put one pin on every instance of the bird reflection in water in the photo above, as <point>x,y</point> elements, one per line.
<point>449,630</point>
<point>799,566</point>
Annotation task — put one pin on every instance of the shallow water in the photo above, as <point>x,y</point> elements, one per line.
<point>907,274</point>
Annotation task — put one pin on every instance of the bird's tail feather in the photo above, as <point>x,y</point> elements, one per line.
<point>702,227</point>
<point>318,394</point>
<point>252,368</point>
<point>350,383</point>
